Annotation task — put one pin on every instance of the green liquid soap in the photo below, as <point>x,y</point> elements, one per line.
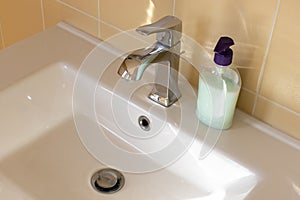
<point>218,93</point>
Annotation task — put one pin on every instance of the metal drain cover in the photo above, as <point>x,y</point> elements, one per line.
<point>107,180</point>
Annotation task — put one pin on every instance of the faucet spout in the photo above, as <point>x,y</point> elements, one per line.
<point>164,53</point>
<point>134,65</point>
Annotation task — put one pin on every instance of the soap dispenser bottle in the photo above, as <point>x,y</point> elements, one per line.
<point>219,88</point>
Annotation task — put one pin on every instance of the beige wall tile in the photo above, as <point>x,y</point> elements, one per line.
<point>55,12</point>
<point>247,22</point>
<point>246,101</point>
<point>88,6</point>
<point>20,19</point>
<point>52,12</point>
<point>281,82</point>
<point>130,14</point>
<point>1,38</point>
<point>80,21</point>
<point>278,117</point>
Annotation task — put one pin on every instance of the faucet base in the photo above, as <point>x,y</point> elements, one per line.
<point>166,102</point>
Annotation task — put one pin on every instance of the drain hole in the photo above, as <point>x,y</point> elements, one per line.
<point>107,181</point>
<point>144,123</point>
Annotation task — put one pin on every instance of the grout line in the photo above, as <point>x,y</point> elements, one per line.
<point>272,102</point>
<point>43,14</point>
<point>91,16</point>
<point>123,32</point>
<point>174,7</point>
<point>2,37</point>
<point>262,70</point>
<point>279,105</point>
<point>112,26</point>
<point>80,33</point>
<point>248,90</point>
<point>78,10</point>
<point>99,20</point>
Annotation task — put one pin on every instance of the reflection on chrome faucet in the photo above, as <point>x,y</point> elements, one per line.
<point>164,54</point>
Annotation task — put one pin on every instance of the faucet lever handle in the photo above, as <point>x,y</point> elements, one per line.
<point>168,30</point>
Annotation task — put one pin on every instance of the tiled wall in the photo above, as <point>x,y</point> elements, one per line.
<point>1,38</point>
<point>266,35</point>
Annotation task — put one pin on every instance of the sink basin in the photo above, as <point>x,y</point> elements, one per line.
<point>54,137</point>
<point>52,163</point>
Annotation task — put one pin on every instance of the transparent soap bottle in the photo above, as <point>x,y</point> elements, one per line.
<point>219,88</point>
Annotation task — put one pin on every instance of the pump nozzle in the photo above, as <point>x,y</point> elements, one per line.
<point>223,52</point>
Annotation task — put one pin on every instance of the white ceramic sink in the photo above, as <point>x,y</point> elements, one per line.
<point>50,162</point>
<point>45,155</point>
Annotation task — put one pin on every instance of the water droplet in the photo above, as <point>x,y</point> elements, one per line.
<point>29,97</point>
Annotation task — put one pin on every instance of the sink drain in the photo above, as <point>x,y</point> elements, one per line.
<point>144,123</point>
<point>107,181</point>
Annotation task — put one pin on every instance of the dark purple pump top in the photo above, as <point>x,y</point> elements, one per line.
<point>223,52</point>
